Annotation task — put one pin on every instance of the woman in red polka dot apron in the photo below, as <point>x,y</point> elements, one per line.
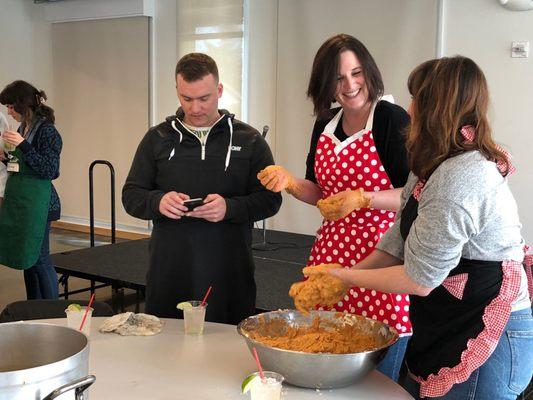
<point>357,146</point>
<point>352,164</point>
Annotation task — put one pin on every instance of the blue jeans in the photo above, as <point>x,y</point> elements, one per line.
<point>505,374</point>
<point>41,279</point>
<point>393,360</point>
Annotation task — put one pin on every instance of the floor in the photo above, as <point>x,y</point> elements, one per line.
<point>12,281</point>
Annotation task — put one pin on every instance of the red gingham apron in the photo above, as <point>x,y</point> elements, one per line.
<point>459,324</point>
<point>352,164</point>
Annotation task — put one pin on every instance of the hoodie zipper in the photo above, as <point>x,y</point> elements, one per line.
<point>203,142</point>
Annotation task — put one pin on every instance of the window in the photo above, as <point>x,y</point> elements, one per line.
<point>215,27</point>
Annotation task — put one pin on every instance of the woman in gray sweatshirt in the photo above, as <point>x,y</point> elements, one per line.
<point>456,246</point>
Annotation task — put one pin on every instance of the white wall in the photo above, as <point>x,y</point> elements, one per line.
<point>261,45</point>
<point>165,58</point>
<point>26,50</point>
<point>101,87</point>
<point>510,81</point>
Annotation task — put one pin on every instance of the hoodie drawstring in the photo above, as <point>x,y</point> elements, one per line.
<point>228,155</point>
<point>176,129</point>
<point>173,123</point>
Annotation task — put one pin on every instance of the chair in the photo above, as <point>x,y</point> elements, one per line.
<point>45,309</point>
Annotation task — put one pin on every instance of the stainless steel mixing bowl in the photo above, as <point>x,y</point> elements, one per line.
<point>317,370</point>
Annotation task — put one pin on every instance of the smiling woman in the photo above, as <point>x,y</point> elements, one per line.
<point>356,160</point>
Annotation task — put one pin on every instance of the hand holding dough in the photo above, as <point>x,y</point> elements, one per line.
<point>343,203</point>
<point>276,178</point>
<point>320,288</point>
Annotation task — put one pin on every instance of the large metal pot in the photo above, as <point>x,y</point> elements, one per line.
<point>43,362</point>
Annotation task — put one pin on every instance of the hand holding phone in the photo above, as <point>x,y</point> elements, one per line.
<point>191,204</point>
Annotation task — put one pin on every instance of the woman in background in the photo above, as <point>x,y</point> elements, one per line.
<point>356,160</point>
<point>30,200</point>
<point>3,172</point>
<point>456,246</point>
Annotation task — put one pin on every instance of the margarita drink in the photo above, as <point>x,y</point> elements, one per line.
<point>267,389</point>
<point>74,318</point>
<point>194,317</point>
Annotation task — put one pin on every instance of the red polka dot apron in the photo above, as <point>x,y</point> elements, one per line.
<point>351,164</point>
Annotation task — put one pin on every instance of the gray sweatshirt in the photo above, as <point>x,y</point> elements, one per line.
<point>466,209</point>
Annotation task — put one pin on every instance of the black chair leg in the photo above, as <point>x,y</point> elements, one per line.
<point>137,301</point>
<point>63,281</point>
<point>117,297</point>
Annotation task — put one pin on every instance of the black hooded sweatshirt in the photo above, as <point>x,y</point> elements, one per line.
<point>190,254</point>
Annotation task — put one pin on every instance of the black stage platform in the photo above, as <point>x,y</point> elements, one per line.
<point>124,265</point>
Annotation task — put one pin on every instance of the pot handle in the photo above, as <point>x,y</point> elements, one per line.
<point>80,385</point>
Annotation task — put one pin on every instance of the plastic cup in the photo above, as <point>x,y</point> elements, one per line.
<point>74,319</point>
<point>194,318</point>
<point>8,147</point>
<point>269,389</point>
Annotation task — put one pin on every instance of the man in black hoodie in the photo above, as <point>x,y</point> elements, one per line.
<point>201,152</point>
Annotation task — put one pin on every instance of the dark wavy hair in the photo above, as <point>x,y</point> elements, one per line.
<point>448,93</point>
<point>27,101</point>
<point>323,82</point>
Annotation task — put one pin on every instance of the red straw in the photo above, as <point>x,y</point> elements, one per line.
<point>205,297</point>
<point>261,374</point>
<point>86,311</point>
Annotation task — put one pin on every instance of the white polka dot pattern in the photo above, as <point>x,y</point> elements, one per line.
<point>351,239</point>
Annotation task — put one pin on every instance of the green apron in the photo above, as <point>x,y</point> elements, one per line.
<point>23,216</point>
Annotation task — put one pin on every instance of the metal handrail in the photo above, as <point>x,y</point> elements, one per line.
<point>91,199</point>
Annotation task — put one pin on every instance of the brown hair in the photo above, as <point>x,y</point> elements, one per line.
<point>27,101</point>
<point>195,66</point>
<point>448,93</point>
<point>323,82</point>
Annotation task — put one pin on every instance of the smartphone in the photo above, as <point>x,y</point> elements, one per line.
<point>191,204</point>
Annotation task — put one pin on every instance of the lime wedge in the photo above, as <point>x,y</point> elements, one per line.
<point>74,307</point>
<point>247,383</point>
<point>184,305</point>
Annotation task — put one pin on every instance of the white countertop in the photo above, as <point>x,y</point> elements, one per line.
<point>172,365</point>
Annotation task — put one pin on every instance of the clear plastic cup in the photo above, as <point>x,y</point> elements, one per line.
<point>194,318</point>
<point>269,389</point>
<point>74,319</point>
<point>8,147</point>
